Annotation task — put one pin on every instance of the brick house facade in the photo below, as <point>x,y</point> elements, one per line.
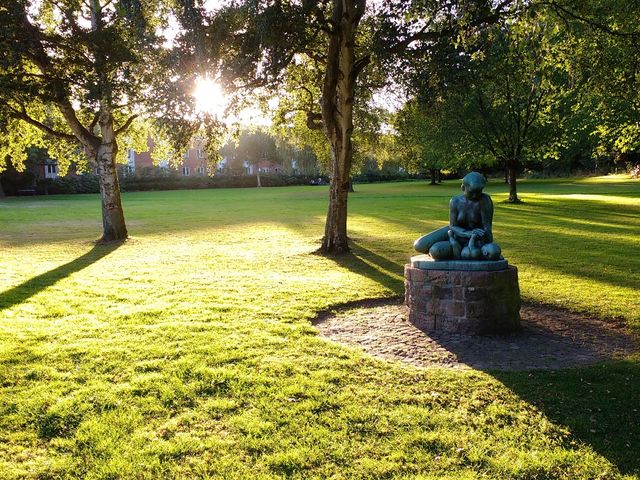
<point>194,161</point>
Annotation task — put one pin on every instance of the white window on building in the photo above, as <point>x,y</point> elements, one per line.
<point>51,170</point>
<point>200,170</point>
<point>200,153</point>
<point>131,162</point>
<point>186,154</point>
<point>186,171</point>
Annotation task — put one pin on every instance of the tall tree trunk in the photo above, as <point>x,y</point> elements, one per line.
<point>337,117</point>
<point>434,176</point>
<point>335,239</point>
<point>2,195</point>
<point>512,174</point>
<point>113,224</point>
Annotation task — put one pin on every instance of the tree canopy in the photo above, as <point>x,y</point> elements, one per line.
<point>74,78</point>
<point>329,53</point>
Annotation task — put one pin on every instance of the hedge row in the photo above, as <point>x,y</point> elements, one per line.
<point>89,183</point>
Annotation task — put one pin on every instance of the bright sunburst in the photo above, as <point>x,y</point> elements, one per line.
<point>209,97</point>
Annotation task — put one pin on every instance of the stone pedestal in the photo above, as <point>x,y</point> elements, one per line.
<point>484,299</point>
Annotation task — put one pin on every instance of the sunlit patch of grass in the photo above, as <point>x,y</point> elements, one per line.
<point>187,351</point>
<point>607,199</point>
<point>619,178</point>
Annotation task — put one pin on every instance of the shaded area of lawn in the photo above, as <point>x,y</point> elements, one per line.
<point>373,266</point>
<point>600,406</point>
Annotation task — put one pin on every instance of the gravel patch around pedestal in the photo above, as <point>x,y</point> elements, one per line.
<point>551,338</point>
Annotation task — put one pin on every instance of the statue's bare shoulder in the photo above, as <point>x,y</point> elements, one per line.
<point>455,201</point>
<point>485,199</point>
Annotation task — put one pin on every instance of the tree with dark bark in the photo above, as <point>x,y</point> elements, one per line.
<point>74,77</point>
<point>508,98</point>
<point>426,139</point>
<point>252,43</point>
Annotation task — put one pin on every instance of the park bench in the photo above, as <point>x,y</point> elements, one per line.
<point>26,191</point>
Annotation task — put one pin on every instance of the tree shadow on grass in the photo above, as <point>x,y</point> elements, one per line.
<point>600,406</point>
<point>372,266</point>
<point>31,287</point>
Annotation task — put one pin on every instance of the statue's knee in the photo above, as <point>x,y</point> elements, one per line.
<point>423,244</point>
<point>466,253</point>
<point>440,251</point>
<point>491,251</point>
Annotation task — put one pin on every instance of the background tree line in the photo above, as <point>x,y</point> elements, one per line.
<point>554,88</point>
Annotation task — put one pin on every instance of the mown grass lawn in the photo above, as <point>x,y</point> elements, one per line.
<point>188,352</point>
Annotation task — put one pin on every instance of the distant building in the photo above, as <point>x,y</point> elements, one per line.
<point>194,161</point>
<point>264,166</point>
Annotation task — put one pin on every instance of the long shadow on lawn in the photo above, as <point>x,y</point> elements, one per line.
<point>34,285</point>
<point>600,405</point>
<point>373,266</point>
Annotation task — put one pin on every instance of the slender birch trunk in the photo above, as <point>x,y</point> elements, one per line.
<point>113,223</point>
<point>101,149</point>
<point>114,227</point>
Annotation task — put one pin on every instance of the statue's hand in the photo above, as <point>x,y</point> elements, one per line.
<point>477,232</point>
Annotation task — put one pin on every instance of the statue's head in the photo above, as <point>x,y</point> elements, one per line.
<point>472,185</point>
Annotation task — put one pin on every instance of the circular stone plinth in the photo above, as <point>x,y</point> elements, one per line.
<point>469,302</point>
<point>551,338</point>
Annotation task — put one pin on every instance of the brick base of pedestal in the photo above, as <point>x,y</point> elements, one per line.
<point>467,302</point>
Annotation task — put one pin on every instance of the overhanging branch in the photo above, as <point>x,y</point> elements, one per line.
<point>94,122</point>
<point>560,10</point>
<point>360,64</point>
<point>314,121</point>
<point>24,116</point>
<point>126,125</point>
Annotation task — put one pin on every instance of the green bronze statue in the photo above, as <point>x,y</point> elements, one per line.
<point>468,235</point>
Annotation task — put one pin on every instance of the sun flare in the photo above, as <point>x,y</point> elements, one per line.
<point>209,97</point>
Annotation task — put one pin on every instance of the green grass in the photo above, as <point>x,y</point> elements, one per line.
<point>188,352</point>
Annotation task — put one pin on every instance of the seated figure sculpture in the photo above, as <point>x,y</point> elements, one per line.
<point>468,235</point>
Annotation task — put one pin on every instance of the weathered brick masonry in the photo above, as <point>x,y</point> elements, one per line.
<point>466,302</point>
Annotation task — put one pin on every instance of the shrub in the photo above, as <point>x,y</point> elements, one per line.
<point>81,184</point>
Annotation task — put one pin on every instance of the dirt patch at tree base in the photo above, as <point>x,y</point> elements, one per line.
<point>551,338</point>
